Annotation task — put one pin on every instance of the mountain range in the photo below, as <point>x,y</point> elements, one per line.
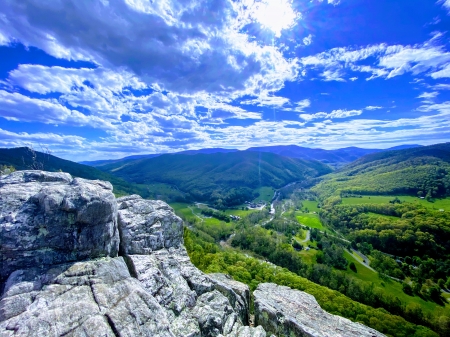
<point>335,158</point>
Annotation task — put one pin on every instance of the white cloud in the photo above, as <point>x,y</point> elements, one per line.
<point>353,79</point>
<point>340,113</point>
<point>441,86</point>
<point>392,60</point>
<point>428,97</point>
<point>445,3</point>
<point>372,107</point>
<point>185,46</point>
<point>265,100</point>
<point>17,107</point>
<point>443,72</point>
<point>275,15</point>
<point>333,75</point>
<point>307,40</point>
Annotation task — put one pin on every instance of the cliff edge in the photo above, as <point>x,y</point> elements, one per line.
<point>76,261</point>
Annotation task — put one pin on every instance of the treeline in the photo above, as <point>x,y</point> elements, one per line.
<point>278,250</point>
<point>409,229</point>
<point>215,214</point>
<point>417,172</point>
<point>206,256</point>
<point>416,237</point>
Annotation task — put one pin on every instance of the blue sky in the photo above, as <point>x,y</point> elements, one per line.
<point>96,79</point>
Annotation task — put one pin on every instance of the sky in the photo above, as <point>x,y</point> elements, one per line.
<point>102,79</point>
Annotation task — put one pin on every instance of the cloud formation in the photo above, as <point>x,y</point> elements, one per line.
<point>182,46</point>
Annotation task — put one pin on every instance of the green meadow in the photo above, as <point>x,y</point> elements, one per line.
<point>265,193</point>
<point>310,205</point>
<point>310,220</point>
<point>383,199</point>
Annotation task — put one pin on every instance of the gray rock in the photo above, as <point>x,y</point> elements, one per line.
<point>237,293</point>
<point>94,298</point>
<point>51,221</point>
<point>287,312</point>
<point>49,218</point>
<point>147,225</point>
<point>181,289</point>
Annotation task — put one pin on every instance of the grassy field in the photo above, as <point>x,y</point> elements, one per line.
<point>310,205</point>
<point>310,220</point>
<point>390,286</point>
<point>383,199</point>
<point>309,256</point>
<point>265,193</point>
<point>240,212</point>
<point>190,211</point>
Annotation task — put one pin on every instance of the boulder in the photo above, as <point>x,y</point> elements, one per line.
<point>49,218</point>
<point>287,312</point>
<point>147,225</point>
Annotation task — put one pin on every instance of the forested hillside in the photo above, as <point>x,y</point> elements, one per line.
<point>224,179</point>
<point>423,171</point>
<point>24,158</point>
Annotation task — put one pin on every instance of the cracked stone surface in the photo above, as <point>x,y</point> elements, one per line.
<point>61,275</point>
<point>48,218</point>
<point>288,312</point>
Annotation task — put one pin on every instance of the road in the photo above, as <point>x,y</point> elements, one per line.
<point>365,258</point>
<point>201,219</point>
<point>308,237</point>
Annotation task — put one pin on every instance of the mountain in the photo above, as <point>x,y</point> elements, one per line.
<point>224,178</point>
<point>96,163</point>
<point>335,158</point>
<point>24,158</point>
<point>423,171</point>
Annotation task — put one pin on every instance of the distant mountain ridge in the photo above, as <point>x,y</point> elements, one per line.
<point>422,171</point>
<point>152,155</point>
<point>223,178</point>
<point>335,158</point>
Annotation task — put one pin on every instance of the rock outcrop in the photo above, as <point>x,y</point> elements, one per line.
<point>75,261</point>
<point>48,218</point>
<point>287,312</point>
<point>62,275</point>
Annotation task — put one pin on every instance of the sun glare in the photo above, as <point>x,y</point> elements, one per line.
<point>276,15</point>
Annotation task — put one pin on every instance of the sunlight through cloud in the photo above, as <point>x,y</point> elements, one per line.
<point>276,15</point>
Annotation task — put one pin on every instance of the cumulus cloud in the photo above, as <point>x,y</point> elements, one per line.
<point>391,61</point>
<point>183,46</point>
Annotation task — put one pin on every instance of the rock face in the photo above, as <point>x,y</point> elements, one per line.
<point>287,312</point>
<point>147,225</point>
<point>61,274</point>
<point>49,218</point>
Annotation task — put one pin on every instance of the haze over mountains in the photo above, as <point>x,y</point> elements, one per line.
<point>335,158</point>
